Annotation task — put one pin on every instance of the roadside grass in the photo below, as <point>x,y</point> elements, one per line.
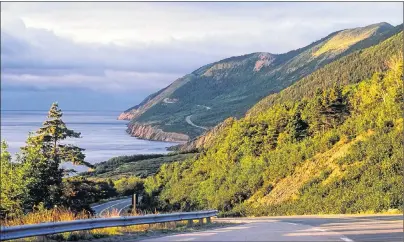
<point>40,215</point>
<point>388,212</point>
<point>108,234</point>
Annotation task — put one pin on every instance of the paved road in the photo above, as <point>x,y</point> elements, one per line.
<point>166,100</point>
<point>302,228</point>
<point>207,108</point>
<point>189,121</point>
<point>119,205</point>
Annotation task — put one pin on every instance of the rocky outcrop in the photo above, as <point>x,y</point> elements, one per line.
<point>264,59</point>
<point>146,131</point>
<point>126,116</point>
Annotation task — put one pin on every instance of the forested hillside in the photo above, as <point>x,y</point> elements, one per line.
<point>347,70</point>
<point>230,87</point>
<point>350,69</point>
<point>338,150</point>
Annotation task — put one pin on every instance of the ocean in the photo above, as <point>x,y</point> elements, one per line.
<point>103,136</point>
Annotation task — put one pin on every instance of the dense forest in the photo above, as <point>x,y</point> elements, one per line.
<point>347,70</point>
<point>337,151</point>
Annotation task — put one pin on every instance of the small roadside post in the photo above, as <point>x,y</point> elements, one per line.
<point>134,201</point>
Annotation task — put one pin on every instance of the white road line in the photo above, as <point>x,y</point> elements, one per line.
<point>111,207</point>
<point>346,239</point>
<point>96,206</point>
<point>102,204</point>
<point>292,223</point>
<point>187,239</point>
<point>120,211</point>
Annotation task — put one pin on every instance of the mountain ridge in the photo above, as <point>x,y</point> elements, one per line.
<point>222,87</point>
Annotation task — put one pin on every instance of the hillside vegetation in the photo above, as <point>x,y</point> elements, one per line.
<point>346,70</point>
<point>134,165</point>
<point>336,151</point>
<point>230,87</point>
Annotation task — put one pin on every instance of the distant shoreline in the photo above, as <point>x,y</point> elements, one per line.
<point>65,110</point>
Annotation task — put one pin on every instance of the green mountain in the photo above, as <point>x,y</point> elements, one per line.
<point>338,150</point>
<point>347,70</point>
<point>230,87</point>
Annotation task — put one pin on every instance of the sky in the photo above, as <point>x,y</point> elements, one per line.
<point>111,55</point>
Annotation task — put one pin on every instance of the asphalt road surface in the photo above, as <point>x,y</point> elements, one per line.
<point>189,121</point>
<point>120,206</point>
<point>384,228</point>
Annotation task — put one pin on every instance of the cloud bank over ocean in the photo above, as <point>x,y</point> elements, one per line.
<point>122,52</point>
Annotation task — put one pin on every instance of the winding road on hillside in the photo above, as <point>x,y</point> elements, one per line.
<point>120,206</point>
<point>301,228</point>
<point>189,121</point>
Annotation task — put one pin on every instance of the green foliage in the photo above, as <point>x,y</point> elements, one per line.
<point>115,162</point>
<point>350,69</point>
<point>37,178</point>
<point>12,184</point>
<point>339,150</point>
<point>43,155</point>
<point>39,162</point>
<point>78,193</point>
<point>134,165</point>
<point>127,186</point>
<point>232,86</point>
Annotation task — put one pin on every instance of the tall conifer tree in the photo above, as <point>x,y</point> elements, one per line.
<point>44,153</point>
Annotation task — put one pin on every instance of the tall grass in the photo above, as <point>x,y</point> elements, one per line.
<point>41,215</point>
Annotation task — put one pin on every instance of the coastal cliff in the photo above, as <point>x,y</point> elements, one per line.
<point>125,116</point>
<point>145,131</point>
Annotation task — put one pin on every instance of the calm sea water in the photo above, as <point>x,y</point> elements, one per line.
<point>103,136</point>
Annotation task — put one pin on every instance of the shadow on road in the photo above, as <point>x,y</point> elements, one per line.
<point>357,228</point>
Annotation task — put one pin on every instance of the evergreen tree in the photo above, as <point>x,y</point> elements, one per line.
<point>335,108</point>
<point>315,112</point>
<point>12,184</point>
<point>297,127</point>
<point>44,154</point>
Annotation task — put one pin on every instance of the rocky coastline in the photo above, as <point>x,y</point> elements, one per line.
<point>148,132</point>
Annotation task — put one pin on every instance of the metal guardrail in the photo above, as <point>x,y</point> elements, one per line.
<point>23,231</point>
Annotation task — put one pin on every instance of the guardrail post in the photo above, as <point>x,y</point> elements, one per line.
<point>190,223</point>
<point>201,221</point>
<point>208,221</point>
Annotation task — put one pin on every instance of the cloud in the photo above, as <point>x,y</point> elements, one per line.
<point>109,80</point>
<point>142,47</point>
